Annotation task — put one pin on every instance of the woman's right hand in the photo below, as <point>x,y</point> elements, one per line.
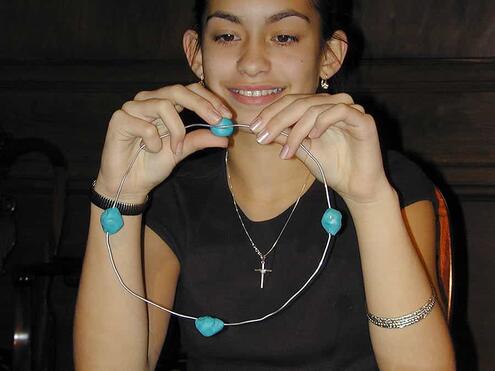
<point>149,115</point>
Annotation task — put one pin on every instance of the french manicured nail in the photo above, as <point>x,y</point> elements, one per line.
<point>225,112</point>
<point>215,116</point>
<point>263,137</point>
<point>284,152</point>
<point>255,125</point>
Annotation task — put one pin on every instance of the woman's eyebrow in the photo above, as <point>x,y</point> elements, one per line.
<point>224,15</point>
<point>287,13</point>
<point>272,19</point>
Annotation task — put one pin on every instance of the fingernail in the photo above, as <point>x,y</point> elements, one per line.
<point>226,112</point>
<point>263,137</point>
<point>284,152</point>
<point>179,148</point>
<point>255,125</point>
<point>215,117</point>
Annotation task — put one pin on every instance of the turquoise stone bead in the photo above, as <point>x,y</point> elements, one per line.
<point>224,128</point>
<point>332,221</point>
<point>209,326</point>
<point>111,221</point>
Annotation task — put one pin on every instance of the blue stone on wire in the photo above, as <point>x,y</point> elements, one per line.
<point>209,326</point>
<point>332,221</point>
<point>111,220</point>
<point>224,128</point>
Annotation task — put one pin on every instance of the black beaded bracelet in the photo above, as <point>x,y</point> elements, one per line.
<point>125,208</point>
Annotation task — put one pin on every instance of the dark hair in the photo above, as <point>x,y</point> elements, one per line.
<point>334,14</point>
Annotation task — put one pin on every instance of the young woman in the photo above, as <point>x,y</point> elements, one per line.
<point>251,209</point>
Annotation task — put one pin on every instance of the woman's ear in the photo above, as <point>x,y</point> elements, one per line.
<point>191,45</point>
<point>334,54</point>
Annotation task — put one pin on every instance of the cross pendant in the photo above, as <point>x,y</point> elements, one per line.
<point>263,271</point>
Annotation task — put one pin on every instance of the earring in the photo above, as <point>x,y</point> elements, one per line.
<point>202,81</point>
<point>324,84</point>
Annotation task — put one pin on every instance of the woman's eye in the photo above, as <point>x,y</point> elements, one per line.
<point>225,38</point>
<point>286,39</point>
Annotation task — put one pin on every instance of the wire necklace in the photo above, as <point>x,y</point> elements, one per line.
<point>262,270</point>
<point>111,221</point>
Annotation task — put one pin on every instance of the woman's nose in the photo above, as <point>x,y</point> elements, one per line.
<point>253,59</point>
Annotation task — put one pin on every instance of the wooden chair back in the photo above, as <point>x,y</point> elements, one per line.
<point>444,254</point>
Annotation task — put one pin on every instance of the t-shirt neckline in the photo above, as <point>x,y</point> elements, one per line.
<point>283,214</point>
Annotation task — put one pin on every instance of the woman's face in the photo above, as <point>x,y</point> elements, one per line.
<point>256,51</point>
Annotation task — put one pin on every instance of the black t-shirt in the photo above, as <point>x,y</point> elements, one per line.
<point>325,328</point>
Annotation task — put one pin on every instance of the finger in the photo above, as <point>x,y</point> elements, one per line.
<point>200,139</point>
<point>321,127</point>
<point>289,115</point>
<point>282,139</point>
<point>161,93</point>
<point>182,97</point>
<point>212,98</point>
<point>341,98</point>
<point>342,116</point>
<point>131,127</point>
<point>301,130</point>
<point>152,109</point>
<point>262,120</point>
<point>358,107</point>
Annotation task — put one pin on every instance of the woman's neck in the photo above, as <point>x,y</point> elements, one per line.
<point>264,185</point>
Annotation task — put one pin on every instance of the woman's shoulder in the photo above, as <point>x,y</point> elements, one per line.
<point>408,178</point>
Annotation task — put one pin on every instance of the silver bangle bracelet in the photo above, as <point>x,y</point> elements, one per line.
<point>406,320</point>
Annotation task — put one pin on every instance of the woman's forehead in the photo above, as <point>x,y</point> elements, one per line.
<point>262,9</point>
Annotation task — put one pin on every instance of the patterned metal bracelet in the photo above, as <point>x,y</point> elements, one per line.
<point>406,320</point>
<point>104,203</point>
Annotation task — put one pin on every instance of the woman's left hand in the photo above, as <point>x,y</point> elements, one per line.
<point>338,132</point>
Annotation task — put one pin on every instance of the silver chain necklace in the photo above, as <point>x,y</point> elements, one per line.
<point>262,270</point>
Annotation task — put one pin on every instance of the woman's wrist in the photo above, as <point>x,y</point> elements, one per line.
<point>384,197</point>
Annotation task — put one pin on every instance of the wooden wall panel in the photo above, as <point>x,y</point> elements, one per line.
<point>427,29</point>
<point>480,263</point>
<point>65,29</point>
<point>152,29</point>
<point>442,111</point>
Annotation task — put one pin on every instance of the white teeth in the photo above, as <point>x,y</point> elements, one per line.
<point>257,93</point>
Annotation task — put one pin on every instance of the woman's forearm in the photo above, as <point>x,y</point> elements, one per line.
<point>396,283</point>
<point>111,327</point>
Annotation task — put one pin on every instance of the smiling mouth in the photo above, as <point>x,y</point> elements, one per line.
<point>257,93</point>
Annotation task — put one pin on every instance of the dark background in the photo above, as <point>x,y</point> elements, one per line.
<point>427,74</point>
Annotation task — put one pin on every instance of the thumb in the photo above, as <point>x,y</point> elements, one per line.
<point>200,139</point>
